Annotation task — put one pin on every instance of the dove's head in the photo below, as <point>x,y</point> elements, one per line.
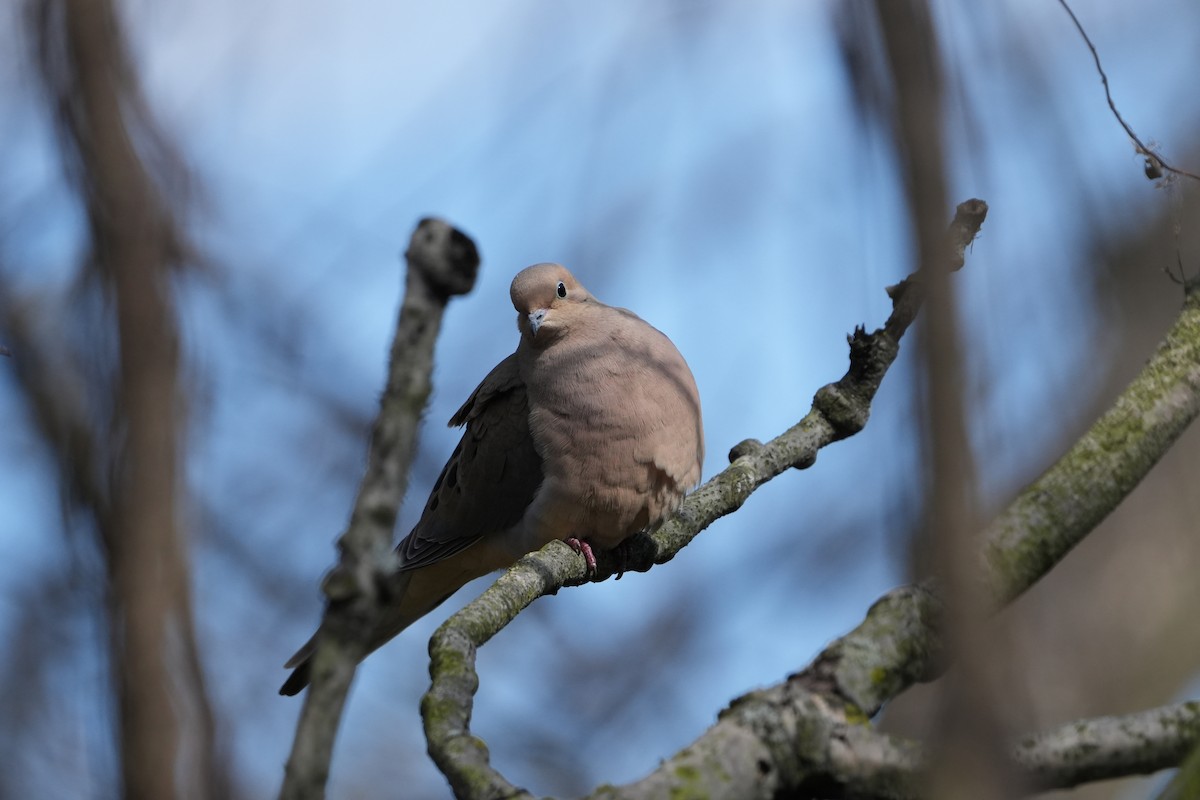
<point>547,298</point>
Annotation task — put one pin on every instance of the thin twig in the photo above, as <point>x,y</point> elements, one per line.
<point>1153,158</point>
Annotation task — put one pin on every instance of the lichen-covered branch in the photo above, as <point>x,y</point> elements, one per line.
<point>898,644</point>
<point>442,262</point>
<point>839,410</point>
<point>1056,511</point>
<point>782,742</point>
<point>794,739</point>
<point>869,764</point>
<point>803,736</point>
<point>1110,747</point>
<point>788,740</point>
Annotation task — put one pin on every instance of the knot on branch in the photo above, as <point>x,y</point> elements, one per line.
<point>871,354</point>
<point>898,644</point>
<point>444,256</point>
<point>746,447</point>
<point>846,404</point>
<point>846,413</point>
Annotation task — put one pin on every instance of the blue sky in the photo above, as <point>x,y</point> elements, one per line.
<point>699,163</point>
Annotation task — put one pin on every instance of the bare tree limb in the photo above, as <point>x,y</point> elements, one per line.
<point>968,735</point>
<point>839,410</point>
<point>442,263</point>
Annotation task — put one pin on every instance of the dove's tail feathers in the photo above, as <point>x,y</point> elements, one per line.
<point>298,679</point>
<point>301,662</point>
<point>301,666</point>
<point>414,595</point>
<point>303,654</point>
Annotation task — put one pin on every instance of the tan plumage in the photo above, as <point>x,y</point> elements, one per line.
<point>590,430</point>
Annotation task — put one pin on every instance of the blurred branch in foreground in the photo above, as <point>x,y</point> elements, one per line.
<point>116,430</point>
<point>969,736</point>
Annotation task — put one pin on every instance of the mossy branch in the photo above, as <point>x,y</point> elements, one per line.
<point>1056,511</point>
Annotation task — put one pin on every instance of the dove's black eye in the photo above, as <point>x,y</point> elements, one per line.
<point>562,289</point>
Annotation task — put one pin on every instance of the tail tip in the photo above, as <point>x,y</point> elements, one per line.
<point>296,681</point>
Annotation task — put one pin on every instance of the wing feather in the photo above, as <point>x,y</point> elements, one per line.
<point>490,478</point>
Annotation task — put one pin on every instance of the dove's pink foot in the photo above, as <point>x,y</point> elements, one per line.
<point>584,549</point>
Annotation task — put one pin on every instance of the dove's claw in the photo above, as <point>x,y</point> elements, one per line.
<point>584,549</point>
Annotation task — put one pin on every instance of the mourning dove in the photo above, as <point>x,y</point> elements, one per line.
<point>589,432</point>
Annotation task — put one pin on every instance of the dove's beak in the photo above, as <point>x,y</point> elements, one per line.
<point>536,318</point>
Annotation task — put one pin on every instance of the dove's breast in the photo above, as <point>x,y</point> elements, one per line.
<point>616,421</point>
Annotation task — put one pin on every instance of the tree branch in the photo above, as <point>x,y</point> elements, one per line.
<point>818,753</point>
<point>1055,512</point>
<point>442,262</point>
<point>839,410</point>
<point>797,738</point>
<point>901,640</point>
<point>865,763</point>
<point>1185,784</point>
<point>1110,747</point>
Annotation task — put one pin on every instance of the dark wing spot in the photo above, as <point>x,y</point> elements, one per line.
<point>452,474</point>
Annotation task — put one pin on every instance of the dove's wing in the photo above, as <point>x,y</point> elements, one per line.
<point>490,479</point>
